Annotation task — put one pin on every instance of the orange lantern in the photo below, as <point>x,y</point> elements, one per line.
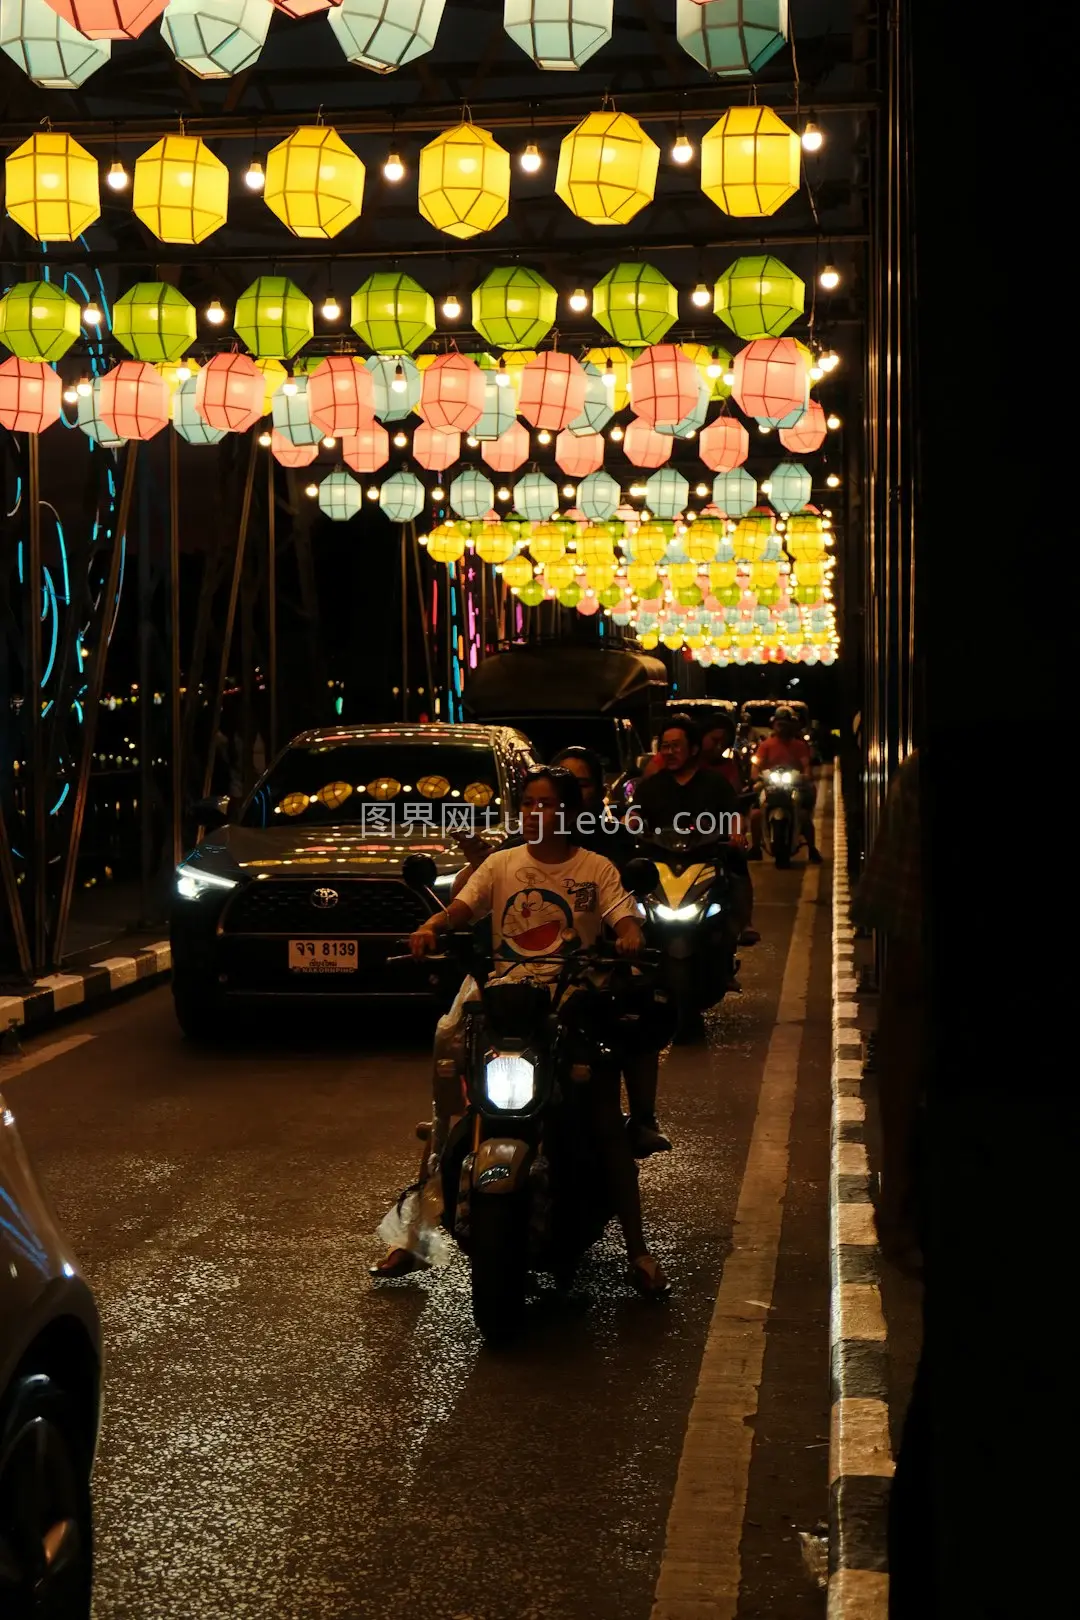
<point>724,444</point>
<point>452,395</point>
<point>509,451</point>
<point>553,390</point>
<point>304,8</point>
<point>579,454</point>
<point>135,399</point>
<point>664,384</point>
<point>31,395</point>
<point>771,378</point>
<point>644,446</point>
<point>229,392</point>
<point>108,19</point>
<point>289,454</point>
<point>809,431</point>
<point>435,449</point>
<point>368,449</point>
<point>341,395</point>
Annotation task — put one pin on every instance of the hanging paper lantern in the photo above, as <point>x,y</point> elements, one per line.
<point>31,395</point>
<point>303,8</point>
<point>770,378</point>
<point>273,375</point>
<point>687,426</point>
<point>724,444</point>
<point>512,366</point>
<point>464,186</point>
<point>559,35</point>
<point>292,412</point>
<point>498,414</point>
<point>154,321</point>
<point>650,542</point>
<point>89,417</point>
<point>732,38</point>
<point>598,496</point>
<point>666,493</point>
<point>385,34</point>
<point>340,395</point>
<point>808,433</point>
<point>552,390</point>
<point>614,369</point>
<point>187,419</point>
<point>471,494</point>
<point>559,573</point>
<point>509,451</point>
<point>274,318</point>
<point>38,321</point>
<point>392,313</point>
<point>340,496</point>
<point>547,543</point>
<point>607,168</point>
<point>531,593</point>
<point>314,182</point>
<point>494,543</point>
<point>702,538</point>
<point>643,446</point>
<point>435,449</point>
<point>791,485</point>
<point>664,384</point>
<point>135,400</point>
<point>175,372</point>
<point>804,538</point>
<point>758,296</point>
<point>578,454</point>
<point>516,572</point>
<point>536,497</point>
<point>513,307</point>
<point>49,50</point>
<point>181,190</point>
<point>636,304</point>
<point>750,541</point>
<point>598,409</point>
<point>289,454</point>
<point>735,492</point>
<point>452,394</point>
<point>446,543</point>
<point>108,19</point>
<point>402,497</point>
<point>569,596</point>
<point>750,162</point>
<point>214,39</point>
<point>366,450</point>
<point>229,393</point>
<point>396,382</point>
<point>52,187</point>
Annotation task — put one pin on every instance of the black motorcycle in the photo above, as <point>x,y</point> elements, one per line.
<point>780,814</point>
<point>691,921</point>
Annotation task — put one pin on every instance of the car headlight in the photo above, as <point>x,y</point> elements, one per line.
<point>509,1082</point>
<point>679,913</point>
<point>191,883</point>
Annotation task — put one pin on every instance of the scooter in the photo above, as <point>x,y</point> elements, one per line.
<point>779,799</point>
<point>691,921</point>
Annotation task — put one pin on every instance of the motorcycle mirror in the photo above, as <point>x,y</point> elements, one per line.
<point>640,877</point>
<point>419,872</point>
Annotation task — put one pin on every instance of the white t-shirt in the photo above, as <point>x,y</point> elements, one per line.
<point>544,911</point>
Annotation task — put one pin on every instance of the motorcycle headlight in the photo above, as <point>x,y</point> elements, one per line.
<point>192,883</point>
<point>509,1082</point>
<point>679,913</point>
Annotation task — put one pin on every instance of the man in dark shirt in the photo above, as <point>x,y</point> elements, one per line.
<point>682,796</point>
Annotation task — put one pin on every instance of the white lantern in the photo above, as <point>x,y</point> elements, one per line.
<point>48,49</point>
<point>558,34</point>
<point>385,34</point>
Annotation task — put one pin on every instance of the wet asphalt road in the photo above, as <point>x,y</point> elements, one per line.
<point>283,1442</point>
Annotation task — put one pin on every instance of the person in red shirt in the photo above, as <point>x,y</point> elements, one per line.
<point>717,754</point>
<point>786,750</point>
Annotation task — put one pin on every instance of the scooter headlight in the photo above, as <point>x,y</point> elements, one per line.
<point>688,913</point>
<point>509,1081</point>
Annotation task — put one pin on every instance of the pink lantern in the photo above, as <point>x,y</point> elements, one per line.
<point>588,605</point>
<point>367,450</point>
<point>31,394</point>
<point>134,400</point>
<point>664,384</point>
<point>509,451</point>
<point>289,454</point>
<point>435,449</point>
<point>724,444</point>
<point>341,396</point>
<point>552,390</point>
<point>108,19</point>
<point>644,446</point>
<point>576,515</point>
<point>304,8</point>
<point>770,378</point>
<point>230,392</point>
<point>809,431</point>
<point>579,454</point>
<point>453,394</point>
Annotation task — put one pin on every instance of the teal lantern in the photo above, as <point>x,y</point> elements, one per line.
<point>187,420</point>
<point>598,496</point>
<point>273,317</point>
<point>536,497</point>
<point>513,307</point>
<point>636,303</point>
<point>732,38</point>
<point>759,297</point>
<point>216,38</point>
<point>666,492</point>
<point>735,492</point>
<point>559,35</point>
<point>397,385</point>
<point>89,417</point>
<point>45,45</point>
<point>471,494</point>
<point>385,34</point>
<point>499,411</point>
<point>597,410</point>
<point>154,321</point>
<point>791,487</point>
<point>392,313</point>
<point>289,408</point>
<point>38,321</point>
<point>694,419</point>
<point>402,497</point>
<point>340,496</point>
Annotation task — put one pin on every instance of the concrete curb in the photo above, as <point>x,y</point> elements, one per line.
<point>860,1455</point>
<point>91,986</point>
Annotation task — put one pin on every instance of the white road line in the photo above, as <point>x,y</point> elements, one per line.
<point>44,1054</point>
<point>701,1570</point>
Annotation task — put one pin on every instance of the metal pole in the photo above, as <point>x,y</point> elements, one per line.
<point>176,763</point>
<point>424,622</point>
<point>36,787</point>
<point>271,604</point>
<point>146,771</point>
<point>404,624</point>
<point>230,619</point>
<point>11,896</point>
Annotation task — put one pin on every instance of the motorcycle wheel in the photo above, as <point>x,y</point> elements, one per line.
<point>499,1258</point>
<point>781,844</point>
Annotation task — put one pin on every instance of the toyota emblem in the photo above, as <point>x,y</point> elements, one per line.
<point>323,899</point>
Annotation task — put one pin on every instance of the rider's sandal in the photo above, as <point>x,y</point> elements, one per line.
<point>397,1263</point>
<point>647,1276</point>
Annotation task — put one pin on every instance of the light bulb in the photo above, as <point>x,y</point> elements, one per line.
<point>438,493</point>
<point>616,433</point>
<point>472,441</point>
<point>531,159</point>
<point>214,312</point>
<point>117,178</point>
<point>451,306</point>
<point>691,433</point>
<point>829,278</point>
<point>502,494</point>
<point>329,442</point>
<point>764,427</point>
<point>683,149</point>
<point>569,491</point>
<point>71,395</point>
<point>266,440</point>
<point>833,481</point>
<point>714,369</point>
<point>812,138</point>
<point>700,295</point>
<point>400,439</point>
<point>578,300</point>
<point>767,486</point>
<point>312,491</point>
<point>502,376</point>
<point>393,169</point>
<point>399,385</point>
<point>331,309</point>
<point>183,371</point>
<point>289,386</point>
<point>729,379</point>
<point>92,314</point>
<point>816,372</point>
<point>255,179</point>
<point>830,361</point>
<point>84,387</point>
<point>832,422</point>
<point>609,373</point>
<point>373,492</point>
<point>543,437</point>
<point>701,489</point>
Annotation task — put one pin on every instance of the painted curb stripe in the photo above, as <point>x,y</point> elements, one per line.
<point>59,991</point>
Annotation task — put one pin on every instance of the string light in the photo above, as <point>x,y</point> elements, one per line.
<point>683,149</point>
<point>502,376</point>
<point>265,440</point>
<point>616,433</point>
<point>832,422</point>
<point>215,314</point>
<point>714,369</point>
<point>578,300</point>
<point>729,378</point>
<point>531,159</point>
<point>816,372</point>
<point>393,169</point>
<point>451,306</point>
<point>830,361</point>
<point>829,278</point>
<point>401,439</point>
<point>399,385</point>
<point>700,295</point>
<point>255,178</point>
<point>312,491</point>
<point>117,178</point>
<point>812,138</point>
<point>764,427</point>
<point>472,441</point>
<point>438,493</point>
<point>71,396</point>
<point>84,387</point>
<point>331,309</point>
<point>833,481</point>
<point>543,437</point>
<point>569,491</point>
<point>289,386</point>
<point>183,372</point>
<point>92,314</point>
<point>609,373</point>
<point>329,442</point>
<point>373,492</point>
<point>502,493</point>
<point>701,489</point>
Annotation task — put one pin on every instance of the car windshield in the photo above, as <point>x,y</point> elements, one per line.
<point>549,734</point>
<point>384,785</point>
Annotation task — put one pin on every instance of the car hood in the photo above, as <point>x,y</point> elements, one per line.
<point>319,851</point>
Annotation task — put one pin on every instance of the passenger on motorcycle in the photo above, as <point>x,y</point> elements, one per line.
<point>681,793</point>
<point>786,750</point>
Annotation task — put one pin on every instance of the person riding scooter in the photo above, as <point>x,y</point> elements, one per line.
<point>785,750</point>
<point>718,754</point>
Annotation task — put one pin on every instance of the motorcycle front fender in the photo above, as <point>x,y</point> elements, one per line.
<point>500,1165</point>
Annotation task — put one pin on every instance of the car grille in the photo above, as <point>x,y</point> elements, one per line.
<point>365,906</point>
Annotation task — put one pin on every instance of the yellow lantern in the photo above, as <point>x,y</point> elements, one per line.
<point>495,543</point>
<point>517,571</point>
<point>722,575</point>
<point>314,182</point>
<point>600,574</point>
<point>547,543</point>
<point>649,640</point>
<point>751,537</point>
<point>761,575</point>
<point>514,363</point>
<point>750,162</point>
<point>701,540</point>
<point>811,573</point>
<point>559,573</point>
<point>274,374</point>
<point>446,544</point>
<point>614,368</point>
<point>649,543</point>
<point>176,372</point>
<point>595,545</point>
<point>641,578</point>
<point>464,185</point>
<point>607,168</point>
<point>804,537</point>
<point>682,574</point>
<point>181,190</point>
<point>672,639</point>
<point>53,187</point>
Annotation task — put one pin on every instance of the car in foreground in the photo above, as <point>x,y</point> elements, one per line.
<point>298,899</point>
<point>50,1394</point>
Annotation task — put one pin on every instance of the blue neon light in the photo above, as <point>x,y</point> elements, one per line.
<point>60,800</point>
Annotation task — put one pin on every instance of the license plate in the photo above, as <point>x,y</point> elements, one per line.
<point>322,955</point>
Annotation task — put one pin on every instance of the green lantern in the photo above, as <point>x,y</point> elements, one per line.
<point>392,313</point>
<point>728,596</point>
<point>274,318</point>
<point>689,596</point>
<point>154,322</point>
<point>531,593</point>
<point>38,321</point>
<point>569,596</point>
<point>610,596</point>
<point>513,307</point>
<point>636,303</point>
<point>759,297</point>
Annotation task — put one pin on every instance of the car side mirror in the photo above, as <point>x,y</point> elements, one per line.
<point>640,877</point>
<point>212,812</point>
<point>420,872</point>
